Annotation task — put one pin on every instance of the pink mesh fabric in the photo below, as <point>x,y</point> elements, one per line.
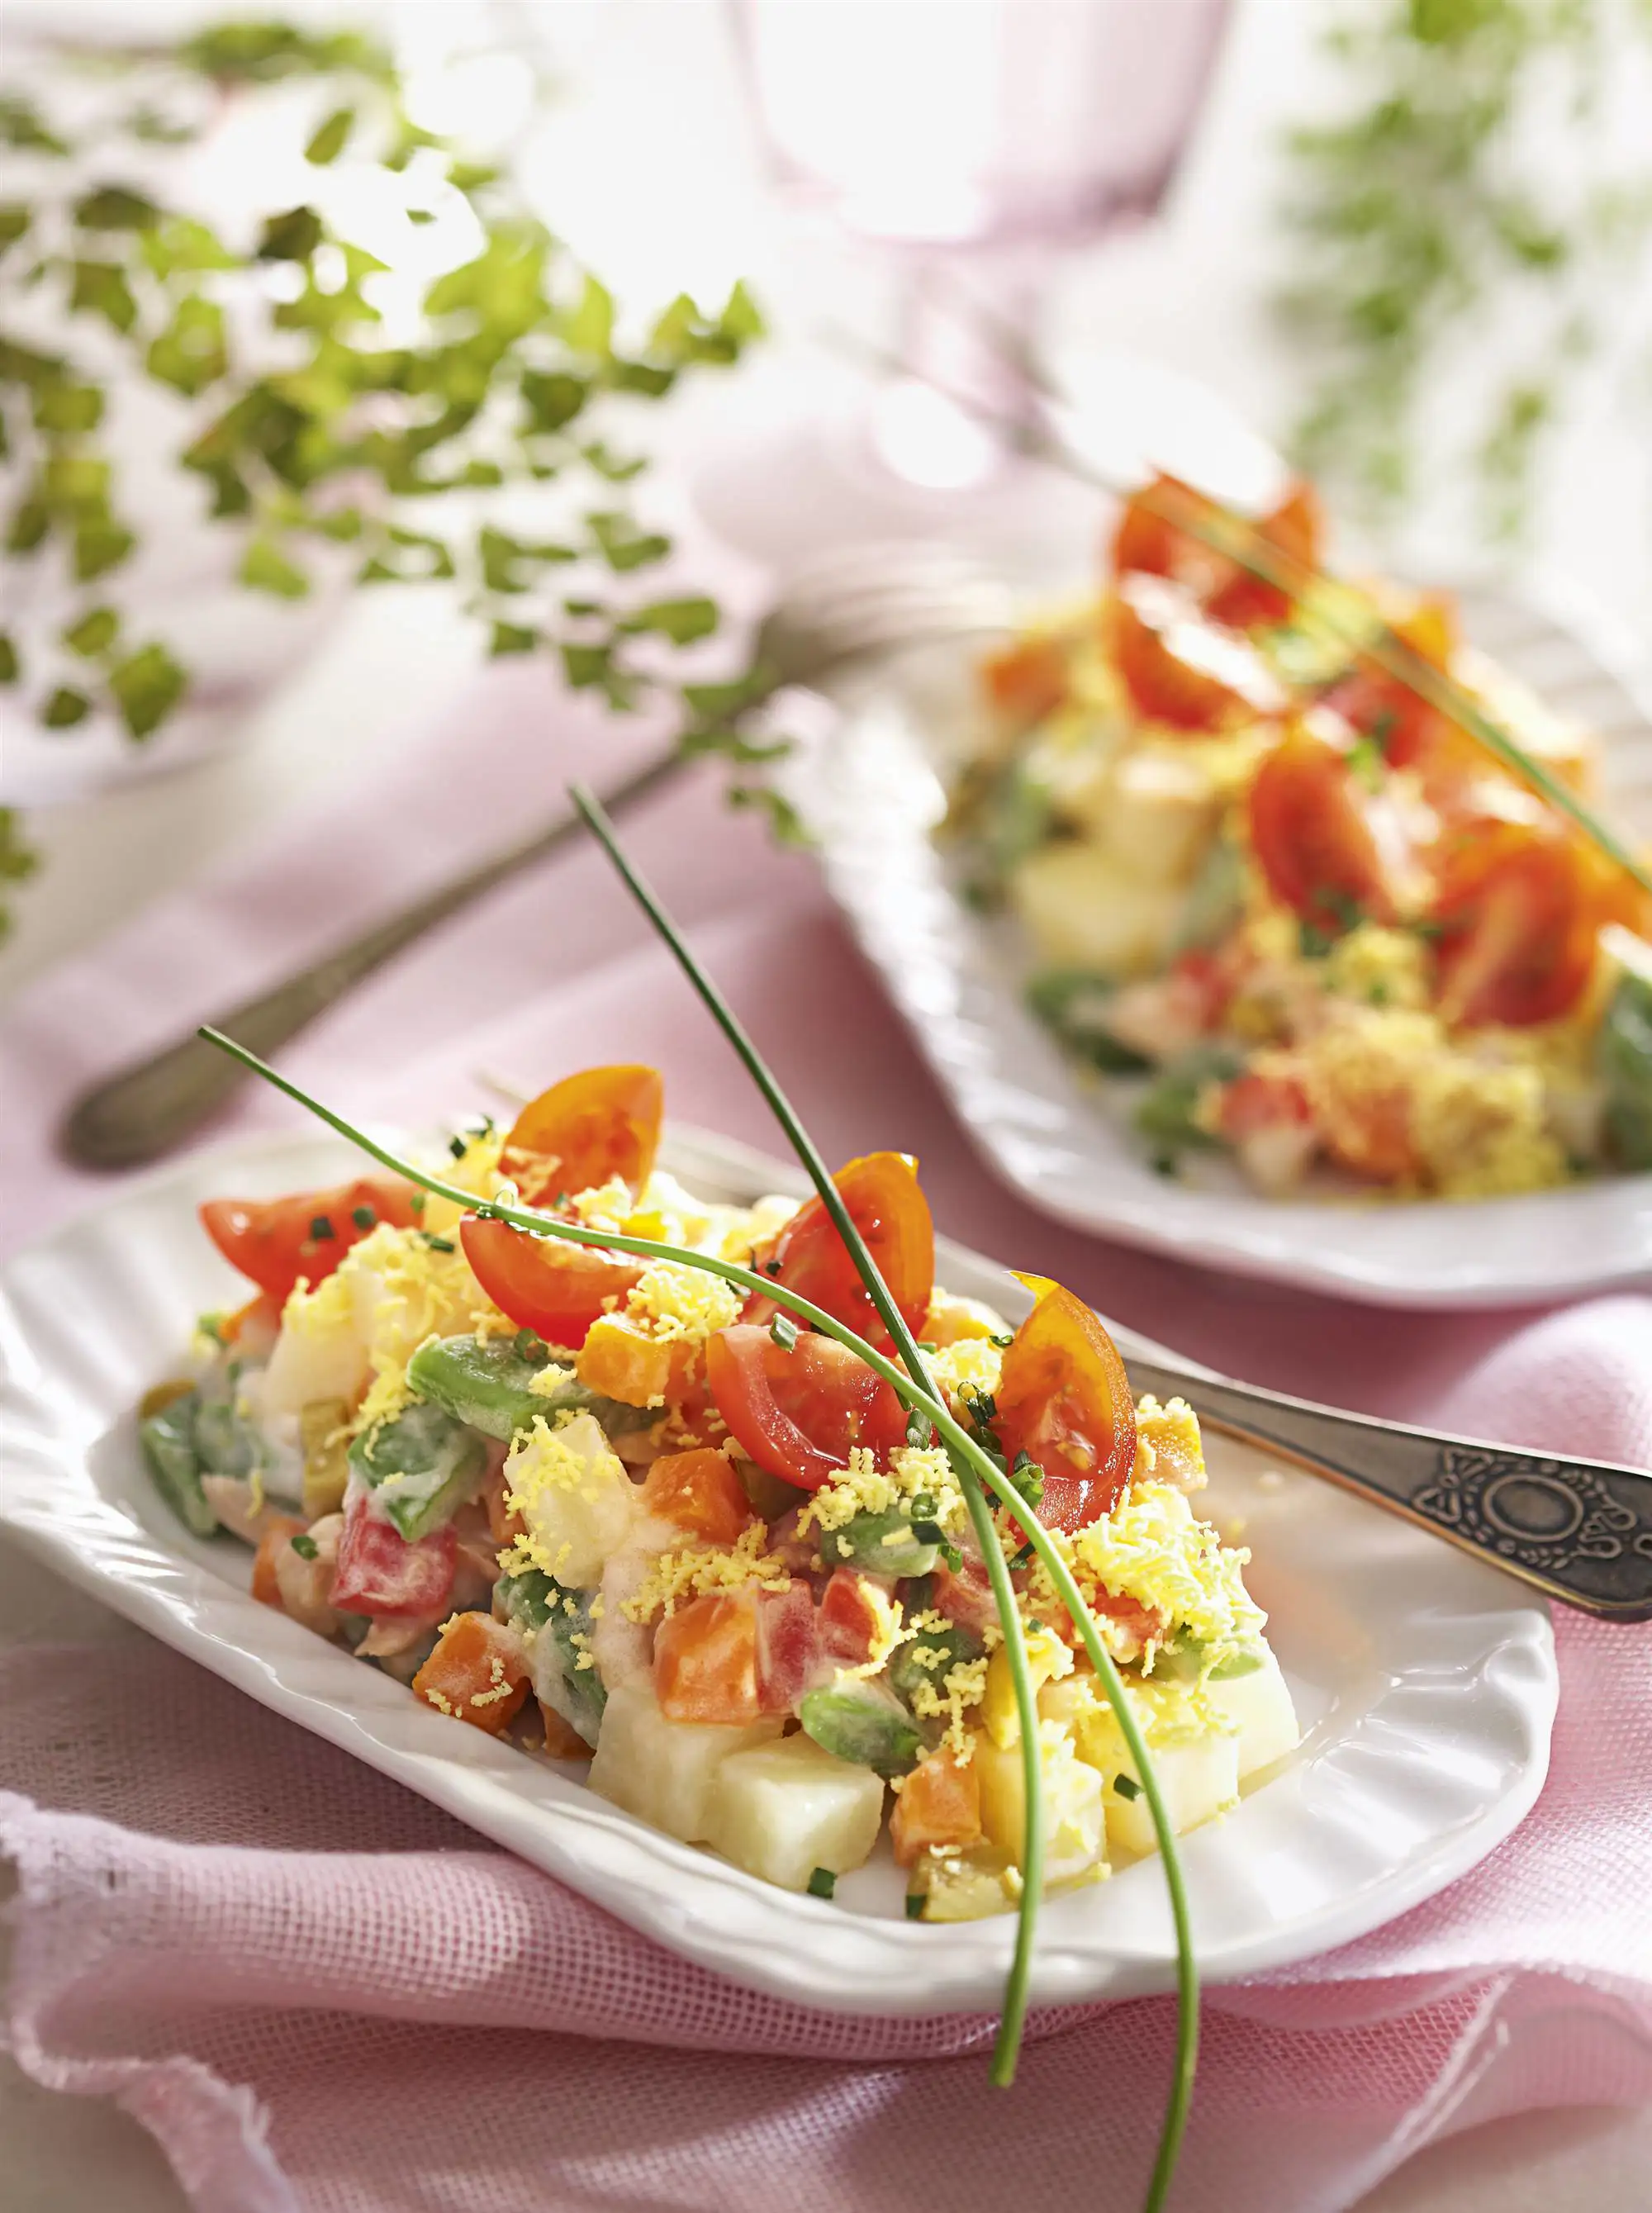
<point>321,1994</point>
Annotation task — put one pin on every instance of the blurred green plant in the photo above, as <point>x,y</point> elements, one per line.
<point>357,439</point>
<point>1414,218</point>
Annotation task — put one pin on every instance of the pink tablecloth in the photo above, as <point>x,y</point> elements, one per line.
<point>320,1993</point>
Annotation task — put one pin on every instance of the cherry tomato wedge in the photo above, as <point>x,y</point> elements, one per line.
<point>546,1284</point>
<point>1063,1397</point>
<point>1294,528</point>
<point>601,1123</point>
<point>1177,667</point>
<point>808,1256</point>
<point>274,1242</point>
<point>1150,544</point>
<point>797,1414</point>
<point>1312,830</point>
<point>1026,680</point>
<point>1517,920</point>
<point>1409,733</point>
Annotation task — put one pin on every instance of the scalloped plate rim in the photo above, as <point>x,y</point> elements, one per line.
<point>695,1905</point>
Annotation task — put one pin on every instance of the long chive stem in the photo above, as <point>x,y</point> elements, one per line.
<point>917,1391</point>
<point>1013,2019</point>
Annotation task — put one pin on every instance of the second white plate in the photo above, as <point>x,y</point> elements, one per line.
<point>869,788</point>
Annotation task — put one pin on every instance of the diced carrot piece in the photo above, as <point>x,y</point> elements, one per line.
<point>698,1491</point>
<point>1027,679</point>
<point>620,1360</point>
<point>476,1673</point>
<point>504,1523</point>
<point>562,1740</point>
<point>277,1533</point>
<point>939,1803</point>
<point>705,1661</point>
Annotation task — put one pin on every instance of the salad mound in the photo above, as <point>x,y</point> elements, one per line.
<point>1329,932</point>
<point>620,1511</point>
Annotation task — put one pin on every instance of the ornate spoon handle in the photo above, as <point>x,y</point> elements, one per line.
<point>1581,1531</point>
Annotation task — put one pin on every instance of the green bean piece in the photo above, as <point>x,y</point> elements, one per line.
<point>169,1443</point>
<point>863,1724</point>
<point>422,1464</point>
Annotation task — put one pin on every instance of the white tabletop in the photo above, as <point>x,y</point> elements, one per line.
<point>658,72</point>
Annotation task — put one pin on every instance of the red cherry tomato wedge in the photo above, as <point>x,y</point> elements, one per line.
<point>274,1242</point>
<point>1064,1398</point>
<point>797,1414</point>
<point>378,1572</point>
<point>1517,921</point>
<point>1294,528</point>
<point>555,1288</point>
<point>601,1123</point>
<point>1180,668</point>
<point>1409,732</point>
<point>1148,543</point>
<point>887,1207</point>
<point>1312,830</point>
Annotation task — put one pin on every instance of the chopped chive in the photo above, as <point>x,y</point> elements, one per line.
<point>305,1546</point>
<point>1021,1558</point>
<point>771,1267</point>
<point>436,1244</point>
<point>362,1217</point>
<point>914,1905</point>
<point>923,1506</point>
<point>923,1345</point>
<point>1004,1340</point>
<point>321,1229</point>
<point>418,1201</point>
<point>525,1344</point>
<point>1126,1786</point>
<point>919,1430</point>
<point>459,1145</point>
<point>783,1330</point>
<point>822,1883</point>
<point>929,1532</point>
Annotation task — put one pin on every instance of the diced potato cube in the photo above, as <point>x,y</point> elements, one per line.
<point>664,1771</point>
<point>1258,1707</point>
<point>574,1495</point>
<point>1075,1831</point>
<point>1084,912</point>
<point>320,1353</point>
<point>1157,812</point>
<point>1199,1776</point>
<point>783,1809</point>
<point>962,1886</point>
<point>1047,1660</point>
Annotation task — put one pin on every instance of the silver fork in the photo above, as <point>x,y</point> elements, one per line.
<point>846,607</point>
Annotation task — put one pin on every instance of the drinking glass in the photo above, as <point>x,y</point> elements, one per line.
<point>978,140</point>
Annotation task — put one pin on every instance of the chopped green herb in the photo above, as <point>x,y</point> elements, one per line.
<point>914,1905</point>
<point>321,1229</point>
<point>436,1244</point>
<point>418,1201</point>
<point>1004,1340</point>
<point>918,1431</point>
<point>1126,1786</point>
<point>526,1344</point>
<point>783,1330</point>
<point>1024,1557</point>
<point>305,1546</point>
<point>362,1217</point>
<point>822,1883</point>
<point>923,1345</point>
<point>459,1145</point>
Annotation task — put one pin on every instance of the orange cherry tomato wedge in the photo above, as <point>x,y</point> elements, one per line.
<point>1026,680</point>
<point>1312,829</point>
<point>1177,667</point>
<point>1064,1398</point>
<point>807,1254</point>
<point>797,1414</point>
<point>547,1284</point>
<point>1517,918</point>
<point>275,1241</point>
<point>602,1123</point>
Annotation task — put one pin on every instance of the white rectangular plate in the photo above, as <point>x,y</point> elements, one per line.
<point>869,786</point>
<point>1424,1681</point>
